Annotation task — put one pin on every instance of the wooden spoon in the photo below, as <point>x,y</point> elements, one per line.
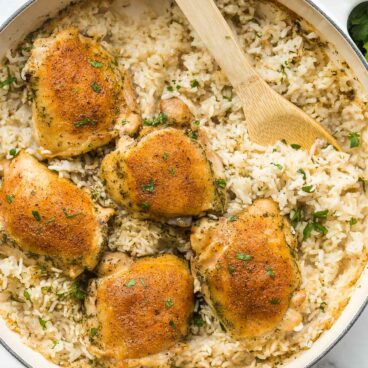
<point>269,116</point>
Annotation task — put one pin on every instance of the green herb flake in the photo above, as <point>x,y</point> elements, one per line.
<point>321,229</point>
<point>145,206</point>
<point>270,272</point>
<point>280,167</point>
<point>70,215</point>
<point>143,283</point>
<point>77,292</point>
<point>353,221</point>
<point>96,64</point>
<point>308,189</point>
<point>301,171</point>
<point>169,303</point>
<point>197,320</point>
<point>42,322</point>
<point>320,214</point>
<point>358,27</point>
<point>220,183</point>
<point>54,343</point>
<point>8,81</point>
<point>93,331</point>
<point>322,306</point>
<point>83,122</point>
<point>194,83</point>
<point>354,139</point>
<point>96,87</point>
<point>50,221</point>
<point>296,215</point>
<point>10,198</point>
<point>193,134</point>
<point>307,232</point>
<point>13,152</point>
<point>170,88</point>
<point>231,269</point>
<point>243,256</point>
<point>165,156</point>
<point>130,283</point>
<point>274,301</point>
<point>150,187</point>
<point>233,218</point>
<point>172,324</point>
<point>171,171</point>
<point>37,216</point>
<point>196,123</point>
<point>27,295</point>
<point>296,146</point>
<point>159,120</point>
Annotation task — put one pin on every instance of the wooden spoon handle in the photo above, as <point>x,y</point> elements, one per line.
<point>219,40</point>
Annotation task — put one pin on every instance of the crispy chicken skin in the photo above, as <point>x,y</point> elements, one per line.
<point>144,307</point>
<point>50,216</point>
<point>79,94</point>
<point>248,269</point>
<point>165,174</point>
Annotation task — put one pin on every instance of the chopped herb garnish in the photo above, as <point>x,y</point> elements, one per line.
<point>270,272</point>
<point>172,324</point>
<point>354,140</point>
<point>115,62</point>
<point>320,214</point>
<point>301,171</point>
<point>194,83</point>
<point>54,343</point>
<point>42,322</point>
<point>83,122</point>
<point>8,81</point>
<point>233,218</point>
<point>13,152</point>
<point>277,165</point>
<point>196,123</point>
<point>145,206</point>
<point>69,215</point>
<point>296,216</point>
<point>170,88</point>
<point>321,229</point>
<point>96,87</point>
<point>274,301</point>
<point>36,215</point>
<point>50,220</point>
<point>77,292</point>
<point>357,26</point>
<point>165,156</point>
<point>353,221</point>
<point>220,183</point>
<point>27,295</point>
<point>231,269</point>
<point>130,283</point>
<point>243,256</point>
<point>169,303</point>
<point>160,119</point>
<point>10,198</point>
<point>308,230</point>
<point>141,280</point>
<point>93,332</point>
<point>150,187</point>
<point>197,320</point>
<point>308,189</point>
<point>95,63</point>
<point>193,134</point>
<point>171,171</point>
<point>322,306</point>
<point>295,146</point>
<point>259,360</point>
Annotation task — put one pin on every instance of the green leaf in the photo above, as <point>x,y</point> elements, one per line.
<point>13,152</point>
<point>160,119</point>
<point>27,295</point>
<point>354,140</point>
<point>231,269</point>
<point>220,183</point>
<point>321,229</point>
<point>353,221</point>
<point>95,63</point>
<point>150,187</point>
<point>233,218</point>
<point>270,272</point>
<point>130,283</point>
<point>308,189</point>
<point>37,216</point>
<point>296,215</point>
<point>320,214</point>
<point>243,256</point>
<point>277,165</point>
<point>93,332</point>
<point>10,198</point>
<point>274,301</point>
<point>308,230</point>
<point>197,320</point>
<point>301,171</point>
<point>69,215</point>
<point>42,322</point>
<point>85,121</point>
<point>96,87</point>
<point>77,292</point>
<point>194,83</point>
<point>296,146</point>
<point>169,303</point>
<point>8,81</point>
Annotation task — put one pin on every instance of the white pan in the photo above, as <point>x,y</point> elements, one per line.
<point>329,17</point>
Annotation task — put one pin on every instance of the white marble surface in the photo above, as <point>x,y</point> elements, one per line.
<point>350,352</point>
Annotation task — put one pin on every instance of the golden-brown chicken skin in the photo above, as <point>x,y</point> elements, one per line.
<point>50,216</point>
<point>80,93</point>
<point>144,308</point>
<point>165,174</point>
<point>248,269</point>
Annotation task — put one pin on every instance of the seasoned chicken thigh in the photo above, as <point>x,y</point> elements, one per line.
<point>80,93</point>
<point>165,174</point>
<point>143,307</point>
<point>50,216</point>
<point>248,268</point>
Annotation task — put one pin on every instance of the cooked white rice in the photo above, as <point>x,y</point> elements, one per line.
<point>162,51</point>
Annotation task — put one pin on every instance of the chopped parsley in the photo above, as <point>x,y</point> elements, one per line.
<point>172,324</point>
<point>320,214</point>
<point>354,140</point>
<point>296,216</point>
<point>243,256</point>
<point>220,183</point>
<point>69,215</point>
<point>150,187</point>
<point>96,87</point>
<point>96,64</point>
<point>10,198</point>
<point>277,165</point>
<point>231,269</point>
<point>141,280</point>
<point>169,303</point>
<point>193,134</point>
<point>170,88</point>
<point>83,122</point>
<point>197,320</point>
<point>313,226</point>
<point>274,301</point>
<point>358,29</point>
<point>145,206</point>
<point>196,123</point>
<point>308,189</point>
<point>8,81</point>
<point>37,216</point>
<point>270,272</point>
<point>233,218</point>
<point>160,119</point>
<point>171,171</point>
<point>296,146</point>
<point>165,156</point>
<point>322,306</point>
<point>93,332</point>
<point>13,152</point>
<point>42,322</point>
<point>194,83</point>
<point>130,283</point>
<point>301,171</point>
<point>27,295</point>
<point>353,221</point>
<point>50,220</point>
<point>77,292</point>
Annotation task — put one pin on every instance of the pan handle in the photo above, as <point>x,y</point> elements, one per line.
<point>337,10</point>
